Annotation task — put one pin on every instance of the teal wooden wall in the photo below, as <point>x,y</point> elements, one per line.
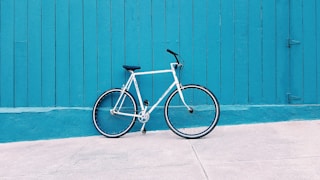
<point>67,52</point>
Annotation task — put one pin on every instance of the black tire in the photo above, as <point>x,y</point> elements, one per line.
<point>198,122</point>
<point>109,124</point>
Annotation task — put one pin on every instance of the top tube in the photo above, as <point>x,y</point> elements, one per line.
<point>173,65</point>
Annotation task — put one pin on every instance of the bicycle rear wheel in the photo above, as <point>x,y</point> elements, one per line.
<point>194,123</point>
<point>111,124</point>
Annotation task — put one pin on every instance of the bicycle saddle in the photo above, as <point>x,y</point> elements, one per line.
<point>131,68</point>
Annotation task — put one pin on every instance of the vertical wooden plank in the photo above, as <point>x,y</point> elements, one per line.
<point>104,45</point>
<point>48,53</point>
<point>241,52</point>
<point>199,45</point>
<point>199,42</point>
<point>0,49</point>
<point>21,53</point>
<point>213,46</point>
<point>160,57</point>
<point>296,58</point>
<point>90,52</point>
<point>309,52</point>
<point>34,53</point>
<point>131,33</point>
<point>7,54</point>
<point>145,48</point>
<point>172,24</point>
<point>118,46</point>
<point>171,19</point>
<point>185,35</point>
<point>227,52</point>
<point>171,37</point>
<point>62,53</point>
<point>255,52</point>
<point>318,48</point>
<point>282,51</point>
<point>76,53</point>
<point>269,51</point>
<point>171,28</point>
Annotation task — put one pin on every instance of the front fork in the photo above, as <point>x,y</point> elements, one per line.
<point>179,88</point>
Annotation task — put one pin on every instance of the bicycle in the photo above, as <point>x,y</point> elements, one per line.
<point>191,111</point>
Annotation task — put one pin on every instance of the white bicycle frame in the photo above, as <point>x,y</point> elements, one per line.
<point>116,109</point>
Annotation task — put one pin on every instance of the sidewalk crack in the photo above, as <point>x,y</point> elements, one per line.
<point>199,161</point>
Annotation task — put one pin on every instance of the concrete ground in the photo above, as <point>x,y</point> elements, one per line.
<point>283,150</point>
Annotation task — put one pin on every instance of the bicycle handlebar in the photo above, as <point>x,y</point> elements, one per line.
<point>174,54</point>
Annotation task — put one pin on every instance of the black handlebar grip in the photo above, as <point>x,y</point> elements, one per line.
<point>174,54</point>
<point>171,52</point>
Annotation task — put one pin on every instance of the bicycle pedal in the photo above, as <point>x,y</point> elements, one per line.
<point>146,102</point>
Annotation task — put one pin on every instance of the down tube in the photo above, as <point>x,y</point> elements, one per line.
<point>161,98</point>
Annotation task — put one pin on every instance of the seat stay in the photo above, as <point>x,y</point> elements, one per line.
<point>123,89</point>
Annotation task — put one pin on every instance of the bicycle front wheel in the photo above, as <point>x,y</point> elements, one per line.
<point>196,122</point>
<point>109,123</point>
